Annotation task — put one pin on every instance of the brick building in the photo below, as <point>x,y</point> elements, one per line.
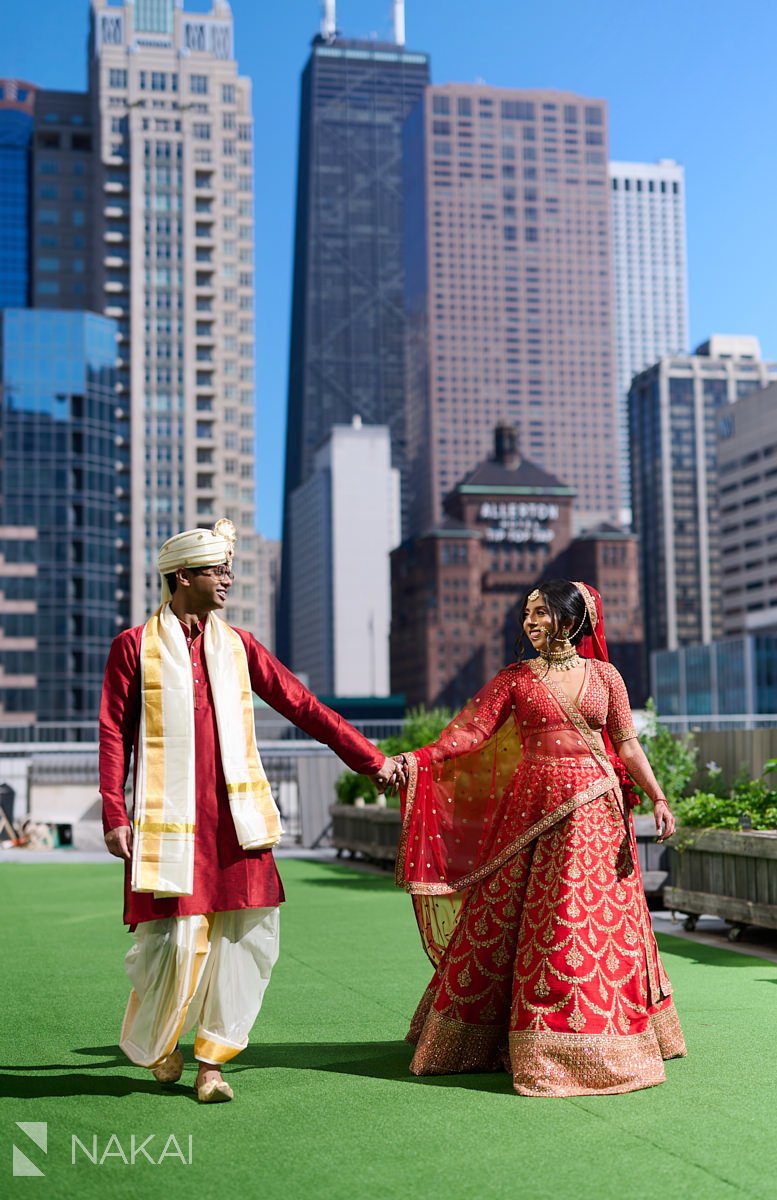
<point>456,587</point>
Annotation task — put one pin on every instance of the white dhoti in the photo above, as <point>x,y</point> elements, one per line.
<point>210,971</point>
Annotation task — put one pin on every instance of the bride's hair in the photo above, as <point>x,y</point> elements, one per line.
<point>567,608</point>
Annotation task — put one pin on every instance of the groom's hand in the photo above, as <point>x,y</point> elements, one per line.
<point>119,842</point>
<point>385,776</point>
<point>393,774</point>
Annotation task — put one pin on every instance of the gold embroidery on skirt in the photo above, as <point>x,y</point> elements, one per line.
<point>578,1064</point>
<point>666,1025</point>
<point>447,1047</point>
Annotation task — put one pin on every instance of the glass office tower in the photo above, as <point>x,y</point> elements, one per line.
<point>16,118</point>
<point>348,325</point>
<point>57,430</point>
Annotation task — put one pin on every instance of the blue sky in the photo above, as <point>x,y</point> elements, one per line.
<point>686,79</point>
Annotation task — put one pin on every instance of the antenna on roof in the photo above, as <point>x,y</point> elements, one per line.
<point>328,20</point>
<point>399,22</point>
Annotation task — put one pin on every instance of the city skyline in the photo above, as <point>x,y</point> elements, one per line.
<point>730,260</point>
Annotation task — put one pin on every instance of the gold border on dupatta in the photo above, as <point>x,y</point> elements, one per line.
<point>412,786</point>
<point>444,889</point>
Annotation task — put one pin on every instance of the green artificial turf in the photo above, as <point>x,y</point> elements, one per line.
<point>325,1107</point>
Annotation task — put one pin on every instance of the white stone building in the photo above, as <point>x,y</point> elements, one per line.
<point>173,254</point>
<point>651,279</point>
<point>347,521</point>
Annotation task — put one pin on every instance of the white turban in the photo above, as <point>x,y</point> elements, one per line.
<point>196,548</point>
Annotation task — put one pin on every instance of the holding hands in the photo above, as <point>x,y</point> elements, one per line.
<point>393,774</point>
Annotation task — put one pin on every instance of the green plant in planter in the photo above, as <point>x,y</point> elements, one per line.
<point>350,787</point>
<point>749,803</point>
<point>422,726</point>
<point>672,758</point>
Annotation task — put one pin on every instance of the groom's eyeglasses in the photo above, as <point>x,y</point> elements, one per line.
<point>217,572</point>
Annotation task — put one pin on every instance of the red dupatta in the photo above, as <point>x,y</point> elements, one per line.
<point>457,794</point>
<point>452,805</point>
<point>594,645</point>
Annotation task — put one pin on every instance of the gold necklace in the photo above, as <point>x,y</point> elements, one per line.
<point>562,660</point>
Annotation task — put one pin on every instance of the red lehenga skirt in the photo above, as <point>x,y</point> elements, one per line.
<point>553,971</point>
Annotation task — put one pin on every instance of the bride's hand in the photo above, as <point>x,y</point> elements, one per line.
<point>665,822</point>
<point>393,774</point>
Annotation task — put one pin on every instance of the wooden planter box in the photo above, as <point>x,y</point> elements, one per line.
<point>372,831</point>
<point>727,874</point>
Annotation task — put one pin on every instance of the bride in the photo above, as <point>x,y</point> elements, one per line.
<point>518,850</point>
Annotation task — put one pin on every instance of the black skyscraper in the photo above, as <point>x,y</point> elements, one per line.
<point>347,332</point>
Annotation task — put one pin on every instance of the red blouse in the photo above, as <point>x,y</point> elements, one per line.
<point>225,875</point>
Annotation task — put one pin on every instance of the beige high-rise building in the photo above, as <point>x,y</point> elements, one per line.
<point>509,291</point>
<point>173,249</point>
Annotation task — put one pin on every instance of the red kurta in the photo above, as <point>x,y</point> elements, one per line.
<point>225,875</point>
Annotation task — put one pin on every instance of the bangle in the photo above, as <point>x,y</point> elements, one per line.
<point>660,800</point>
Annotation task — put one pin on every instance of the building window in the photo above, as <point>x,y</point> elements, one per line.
<point>593,116</point>
<point>517,110</point>
<point>117,77</point>
<point>228,94</point>
<point>201,131</point>
<point>198,85</point>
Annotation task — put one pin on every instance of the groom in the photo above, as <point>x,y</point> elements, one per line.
<point>201,889</point>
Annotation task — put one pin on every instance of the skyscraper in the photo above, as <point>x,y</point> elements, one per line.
<point>17,105</point>
<point>651,280</point>
<point>173,264</point>
<point>347,333</point>
<point>508,291</point>
<point>57,431</point>
<point>62,201</point>
<point>676,408</point>
<point>747,470</point>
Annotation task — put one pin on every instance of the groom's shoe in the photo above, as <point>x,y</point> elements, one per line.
<point>215,1091</point>
<point>170,1069</point>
